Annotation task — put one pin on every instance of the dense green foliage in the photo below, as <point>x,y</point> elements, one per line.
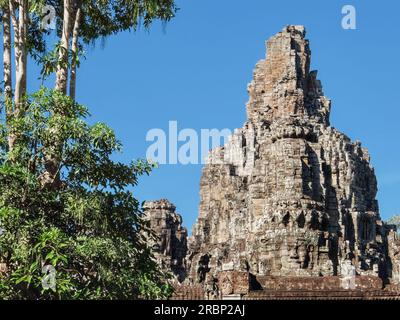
<point>87,227</point>
<point>100,19</point>
<point>69,223</point>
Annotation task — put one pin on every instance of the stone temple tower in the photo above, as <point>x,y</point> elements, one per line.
<point>169,239</point>
<point>288,195</point>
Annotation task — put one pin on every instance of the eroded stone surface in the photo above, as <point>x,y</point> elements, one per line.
<point>289,195</point>
<point>170,241</point>
<point>287,200</point>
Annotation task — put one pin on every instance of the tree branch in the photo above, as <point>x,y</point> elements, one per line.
<point>74,49</point>
<point>6,18</point>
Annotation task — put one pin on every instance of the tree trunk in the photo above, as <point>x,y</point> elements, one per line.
<point>25,50</point>
<point>19,45</point>
<point>20,31</point>
<point>62,68</point>
<point>50,178</point>
<point>20,55</point>
<point>7,61</point>
<point>17,51</point>
<point>74,49</point>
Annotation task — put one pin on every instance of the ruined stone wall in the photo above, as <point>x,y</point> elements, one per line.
<point>288,195</point>
<point>169,239</point>
<point>287,200</point>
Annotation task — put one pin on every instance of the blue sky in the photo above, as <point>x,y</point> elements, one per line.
<point>197,70</point>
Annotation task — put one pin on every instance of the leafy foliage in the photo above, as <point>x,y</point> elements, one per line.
<point>88,227</point>
<point>100,19</point>
<point>103,18</point>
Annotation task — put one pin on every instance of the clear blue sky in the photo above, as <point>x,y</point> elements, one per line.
<point>196,72</point>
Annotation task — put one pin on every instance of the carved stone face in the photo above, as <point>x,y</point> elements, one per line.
<point>226,286</point>
<point>278,205</point>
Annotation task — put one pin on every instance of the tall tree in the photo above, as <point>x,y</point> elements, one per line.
<point>86,234</point>
<point>20,43</point>
<point>63,202</point>
<point>80,22</point>
<point>87,21</point>
<point>62,65</point>
<point>6,20</point>
<point>75,49</point>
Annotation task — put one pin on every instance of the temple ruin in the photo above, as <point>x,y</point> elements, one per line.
<point>288,205</point>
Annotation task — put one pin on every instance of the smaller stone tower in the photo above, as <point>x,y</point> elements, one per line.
<point>170,237</point>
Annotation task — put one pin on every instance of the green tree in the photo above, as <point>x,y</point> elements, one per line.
<point>64,203</point>
<point>87,228</point>
<point>79,22</point>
